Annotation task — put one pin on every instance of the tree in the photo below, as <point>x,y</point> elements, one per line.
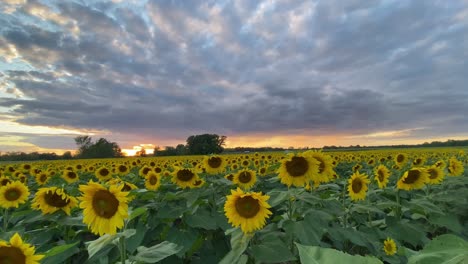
<point>205,144</point>
<point>102,148</point>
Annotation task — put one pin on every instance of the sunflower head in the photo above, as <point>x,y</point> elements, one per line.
<point>435,175</point>
<point>401,159</point>
<point>357,186</point>
<point>414,178</point>
<point>70,176</point>
<point>18,252</point>
<point>245,179</point>
<point>390,247</point>
<point>13,194</point>
<point>381,174</point>
<point>4,180</point>
<point>152,181</point>
<point>105,208</point>
<point>42,178</point>
<point>184,177</point>
<point>455,167</point>
<point>214,164</point>
<point>50,200</point>
<point>103,174</point>
<point>247,210</point>
<point>298,169</point>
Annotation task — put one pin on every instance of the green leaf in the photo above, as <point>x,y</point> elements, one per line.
<point>60,253</point>
<point>277,197</point>
<point>239,243</point>
<point>98,244</point>
<point>318,255</point>
<point>272,252</point>
<point>449,221</point>
<point>137,212</point>
<point>201,219</point>
<point>444,249</point>
<point>157,252</point>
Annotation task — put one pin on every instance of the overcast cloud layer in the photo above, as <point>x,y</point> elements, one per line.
<point>169,69</point>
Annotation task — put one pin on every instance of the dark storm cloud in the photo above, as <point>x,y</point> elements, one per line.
<point>173,68</point>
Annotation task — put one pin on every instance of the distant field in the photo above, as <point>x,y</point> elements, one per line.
<point>383,205</point>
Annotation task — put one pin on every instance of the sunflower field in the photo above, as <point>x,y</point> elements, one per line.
<point>382,206</point>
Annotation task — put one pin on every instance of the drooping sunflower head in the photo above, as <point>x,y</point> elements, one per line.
<point>105,208</point>
<point>298,169</point>
<point>247,210</point>
<point>357,186</point>
<point>103,174</point>
<point>389,247</point>
<point>415,178</point>
<point>18,252</point>
<point>214,164</point>
<point>245,179</point>
<point>52,199</point>
<point>184,177</point>
<point>70,176</point>
<point>381,174</point>
<point>13,194</point>
<point>455,167</point>
<point>152,181</point>
<point>435,175</point>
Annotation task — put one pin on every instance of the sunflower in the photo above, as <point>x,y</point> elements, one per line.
<point>357,167</point>
<point>152,181</point>
<point>262,171</point>
<point>103,174</point>
<point>455,167</point>
<point>401,159</point>
<point>414,178</point>
<point>247,210</point>
<point>70,176</point>
<point>357,186</point>
<point>245,179</point>
<point>124,185</point>
<point>435,175</point>
<point>52,199</point>
<point>104,208</point>
<point>184,177</point>
<point>18,252</point>
<point>390,247</point>
<point>298,169</point>
<point>13,194</point>
<point>229,177</point>
<point>4,180</point>
<point>122,169</point>
<point>214,164</point>
<point>325,167</point>
<point>42,178</point>
<point>198,183</point>
<point>144,171</point>
<point>419,161</point>
<point>441,164</point>
<point>381,176</point>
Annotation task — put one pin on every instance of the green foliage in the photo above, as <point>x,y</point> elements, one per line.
<point>205,144</point>
<point>445,249</point>
<point>101,148</point>
<point>318,255</point>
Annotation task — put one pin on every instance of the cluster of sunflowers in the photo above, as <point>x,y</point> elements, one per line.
<point>107,187</point>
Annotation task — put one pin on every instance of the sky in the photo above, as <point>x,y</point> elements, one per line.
<point>263,73</point>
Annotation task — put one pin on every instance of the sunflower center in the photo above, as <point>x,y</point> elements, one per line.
<point>104,172</point>
<point>185,175</point>
<point>432,174</point>
<point>12,194</point>
<point>230,177</point>
<point>55,200</point>
<point>71,175</point>
<point>214,162</point>
<point>157,170</point>
<point>126,188</point>
<point>247,207</point>
<point>146,170</point>
<point>321,165</point>
<point>262,170</point>
<point>153,180</point>
<point>197,182</point>
<point>122,168</point>
<point>12,255</point>
<point>105,204</point>
<point>43,178</point>
<point>400,158</point>
<point>297,166</point>
<point>388,247</point>
<point>245,163</point>
<point>356,185</point>
<point>413,176</point>
<point>245,177</point>
<point>5,182</point>
<point>381,175</point>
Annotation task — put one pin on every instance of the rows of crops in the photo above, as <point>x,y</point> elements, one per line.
<point>311,207</point>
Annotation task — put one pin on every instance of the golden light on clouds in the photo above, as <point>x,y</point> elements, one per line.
<point>13,127</point>
<point>149,150</point>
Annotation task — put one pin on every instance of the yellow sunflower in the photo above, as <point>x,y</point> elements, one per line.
<point>103,174</point>
<point>401,159</point>
<point>455,167</point>
<point>390,247</point>
<point>325,167</point>
<point>247,210</point>
<point>4,180</point>
<point>18,252</point>
<point>262,171</point>
<point>42,178</point>
<point>122,169</point>
<point>184,177</point>
<point>52,199</point>
<point>414,178</point>
<point>13,194</point>
<point>381,176</point>
<point>245,179</point>
<point>441,164</point>
<point>214,164</point>
<point>357,186</point>
<point>298,170</point>
<point>419,161</point>
<point>435,175</point>
<point>198,183</point>
<point>104,208</point>
<point>70,176</point>
<point>152,181</point>
<point>144,171</point>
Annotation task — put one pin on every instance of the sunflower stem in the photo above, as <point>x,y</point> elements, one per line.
<point>123,253</point>
<point>398,208</point>
<point>5,219</point>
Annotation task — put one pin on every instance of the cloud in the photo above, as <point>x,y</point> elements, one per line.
<point>165,70</point>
